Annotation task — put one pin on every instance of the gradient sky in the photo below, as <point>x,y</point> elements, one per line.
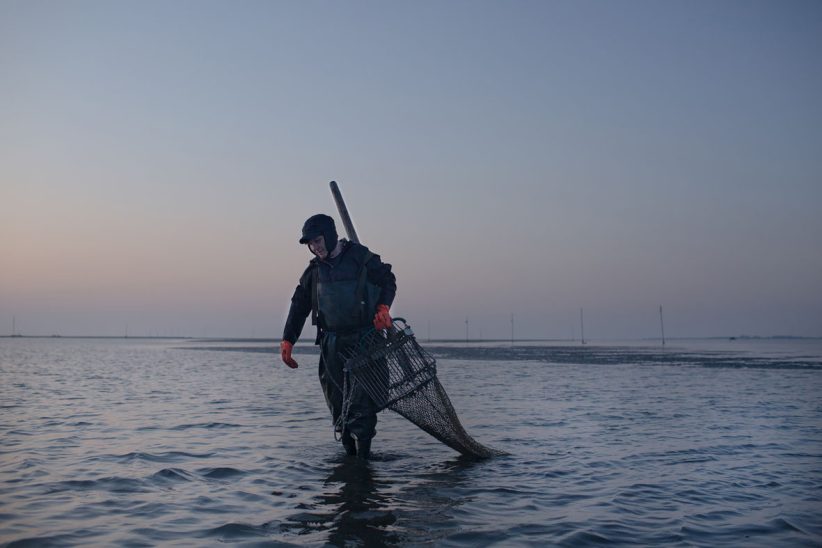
<point>157,160</point>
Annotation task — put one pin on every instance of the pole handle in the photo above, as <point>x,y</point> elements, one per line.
<point>346,218</point>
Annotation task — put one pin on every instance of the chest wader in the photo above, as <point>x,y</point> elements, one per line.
<point>344,310</point>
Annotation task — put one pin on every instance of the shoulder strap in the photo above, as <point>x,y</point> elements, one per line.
<point>315,278</point>
<point>363,279</point>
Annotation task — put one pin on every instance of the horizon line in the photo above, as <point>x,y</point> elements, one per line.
<point>448,340</point>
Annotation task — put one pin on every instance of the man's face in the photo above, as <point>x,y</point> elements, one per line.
<point>317,247</point>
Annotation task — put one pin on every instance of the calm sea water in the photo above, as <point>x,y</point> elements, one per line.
<point>191,443</point>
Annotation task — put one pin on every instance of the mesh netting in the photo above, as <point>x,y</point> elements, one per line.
<point>398,374</point>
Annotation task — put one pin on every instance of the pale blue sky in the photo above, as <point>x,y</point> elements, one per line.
<point>157,160</point>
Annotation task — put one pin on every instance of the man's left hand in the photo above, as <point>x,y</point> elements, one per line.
<point>382,319</point>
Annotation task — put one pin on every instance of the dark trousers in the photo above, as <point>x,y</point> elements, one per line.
<point>361,420</point>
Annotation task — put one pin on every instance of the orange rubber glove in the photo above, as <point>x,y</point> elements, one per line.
<point>382,319</point>
<point>285,353</point>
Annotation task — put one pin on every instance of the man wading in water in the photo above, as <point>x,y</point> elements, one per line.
<point>348,290</point>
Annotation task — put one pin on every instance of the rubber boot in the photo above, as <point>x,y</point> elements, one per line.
<point>363,448</point>
<point>349,444</point>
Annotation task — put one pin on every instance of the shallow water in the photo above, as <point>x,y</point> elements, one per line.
<point>124,442</point>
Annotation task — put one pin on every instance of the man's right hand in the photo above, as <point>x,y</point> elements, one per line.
<point>285,352</point>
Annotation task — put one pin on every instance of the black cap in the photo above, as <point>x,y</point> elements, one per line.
<point>320,225</point>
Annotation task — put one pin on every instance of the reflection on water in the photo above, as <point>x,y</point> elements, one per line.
<point>149,443</point>
<point>353,507</point>
<point>359,507</point>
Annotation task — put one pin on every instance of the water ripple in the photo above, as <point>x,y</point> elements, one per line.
<point>220,473</point>
<point>169,456</point>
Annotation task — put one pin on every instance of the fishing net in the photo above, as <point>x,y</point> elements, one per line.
<point>398,374</point>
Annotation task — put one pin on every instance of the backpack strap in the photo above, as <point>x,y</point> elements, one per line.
<point>315,295</point>
<point>361,283</point>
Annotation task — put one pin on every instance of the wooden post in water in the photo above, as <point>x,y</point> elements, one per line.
<point>661,325</point>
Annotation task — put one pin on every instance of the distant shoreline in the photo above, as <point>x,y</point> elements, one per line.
<point>470,341</point>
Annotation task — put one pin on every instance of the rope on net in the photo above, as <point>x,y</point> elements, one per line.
<point>398,374</point>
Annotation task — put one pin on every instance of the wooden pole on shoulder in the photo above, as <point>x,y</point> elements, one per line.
<point>346,218</point>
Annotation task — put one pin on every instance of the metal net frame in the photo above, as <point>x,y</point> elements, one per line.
<point>398,374</point>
